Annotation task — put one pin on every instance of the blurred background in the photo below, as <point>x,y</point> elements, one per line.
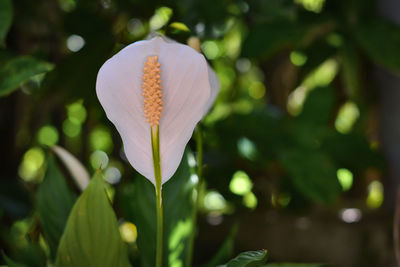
<point>301,149</point>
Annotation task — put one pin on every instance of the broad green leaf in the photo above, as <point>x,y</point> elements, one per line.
<point>54,202</point>
<point>249,259</point>
<point>225,251</point>
<point>312,173</point>
<point>91,236</point>
<point>18,70</point>
<point>295,265</point>
<point>6,14</point>
<point>177,198</point>
<point>380,41</point>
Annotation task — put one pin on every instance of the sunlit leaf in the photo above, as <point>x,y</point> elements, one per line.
<point>370,36</point>
<point>18,70</point>
<point>91,236</point>
<point>249,259</point>
<point>6,14</point>
<point>54,202</point>
<point>179,26</point>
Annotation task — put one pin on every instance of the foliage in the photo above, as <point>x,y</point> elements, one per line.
<point>297,104</point>
<point>91,236</point>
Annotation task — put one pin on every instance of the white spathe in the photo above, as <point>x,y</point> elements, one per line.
<point>189,88</point>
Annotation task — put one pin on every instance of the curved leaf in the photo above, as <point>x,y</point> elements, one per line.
<point>18,70</point>
<point>370,37</point>
<point>91,237</point>
<point>54,202</point>
<point>249,259</point>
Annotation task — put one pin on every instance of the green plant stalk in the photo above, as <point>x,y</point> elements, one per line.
<point>199,160</point>
<point>155,146</point>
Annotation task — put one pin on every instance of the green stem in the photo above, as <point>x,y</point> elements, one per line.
<point>199,160</point>
<point>155,145</point>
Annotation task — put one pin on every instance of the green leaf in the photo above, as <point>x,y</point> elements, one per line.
<point>318,106</point>
<point>249,259</point>
<point>6,14</point>
<point>91,236</point>
<point>179,26</point>
<point>54,202</point>
<point>18,70</point>
<point>312,173</point>
<point>295,265</point>
<point>370,37</point>
<point>178,204</point>
<point>11,263</point>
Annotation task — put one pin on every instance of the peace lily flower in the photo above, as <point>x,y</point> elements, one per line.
<point>155,92</point>
<point>156,83</point>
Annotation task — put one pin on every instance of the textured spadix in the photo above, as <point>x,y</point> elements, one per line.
<point>187,94</point>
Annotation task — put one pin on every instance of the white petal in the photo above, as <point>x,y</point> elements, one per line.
<point>74,166</point>
<point>186,93</point>
<point>212,76</point>
<point>214,84</point>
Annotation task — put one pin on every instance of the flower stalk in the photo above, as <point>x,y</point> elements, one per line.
<point>155,144</point>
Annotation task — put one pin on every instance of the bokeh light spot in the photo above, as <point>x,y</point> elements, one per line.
<point>257,90</point>
<point>32,162</point>
<point>48,135</point>
<point>210,49</point>
<point>298,58</point>
<point>240,183</point>
<point>350,215</point>
<point>375,195</point>
<point>347,116</point>
<point>250,200</point>
<point>214,201</point>
<point>312,5</point>
<point>334,39</point>
<point>100,139</point>
<point>323,75</point>
<point>75,42</point>
<point>128,232</point>
<point>71,128</point>
<point>160,18</point>
<point>243,65</point>
<point>112,175</point>
<point>345,178</point>
<point>99,160</point>
<point>77,112</point>
<point>247,148</point>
